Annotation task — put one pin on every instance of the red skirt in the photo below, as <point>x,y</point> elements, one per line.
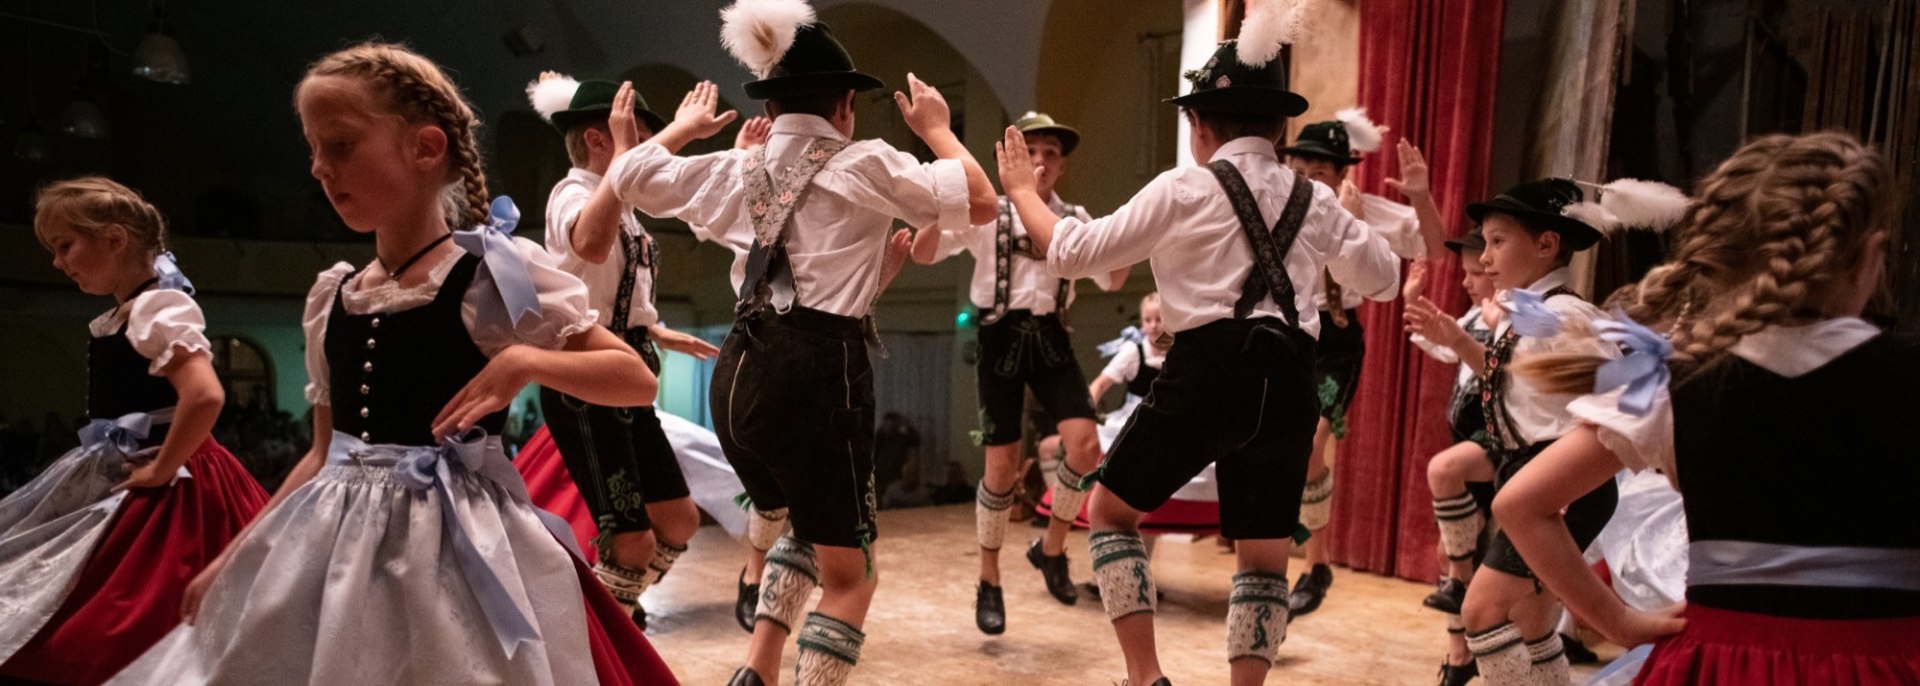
<point>127,596</point>
<point>1727,647</point>
<point>550,487</point>
<point>1197,517</point>
<point>621,654</point>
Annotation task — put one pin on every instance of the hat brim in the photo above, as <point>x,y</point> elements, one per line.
<point>1577,234</point>
<point>570,118</point>
<point>1318,152</point>
<point>1244,100</point>
<point>812,83</point>
<point>1069,138</point>
<point>1469,241</point>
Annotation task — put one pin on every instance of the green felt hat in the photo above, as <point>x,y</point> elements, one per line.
<point>1036,122</point>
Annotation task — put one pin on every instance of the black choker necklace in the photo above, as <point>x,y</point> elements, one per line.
<point>394,274</point>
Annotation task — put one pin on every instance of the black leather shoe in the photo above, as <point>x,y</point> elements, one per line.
<point>747,604</point>
<point>745,676</point>
<point>1458,675</point>
<point>1054,569</point>
<point>1577,652</point>
<point>640,618</point>
<point>1310,590</point>
<point>1447,597</point>
<point>990,610</point>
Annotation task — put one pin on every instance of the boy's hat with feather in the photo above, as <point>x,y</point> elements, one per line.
<point>1350,131</point>
<point>790,52</point>
<point>567,103</point>
<point>1245,75</point>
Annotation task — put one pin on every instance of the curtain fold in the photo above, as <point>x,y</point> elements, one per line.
<point>1428,69</point>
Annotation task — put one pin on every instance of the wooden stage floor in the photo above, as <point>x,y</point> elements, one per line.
<point>1372,629</point>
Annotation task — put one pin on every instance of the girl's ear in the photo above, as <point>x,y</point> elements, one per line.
<point>116,238</point>
<point>429,147</point>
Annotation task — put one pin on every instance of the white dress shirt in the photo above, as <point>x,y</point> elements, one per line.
<point>1032,283</point>
<point>1397,223</point>
<point>1471,322</point>
<point>1182,224</point>
<point>837,236</point>
<point>1539,416</point>
<point>603,280</point>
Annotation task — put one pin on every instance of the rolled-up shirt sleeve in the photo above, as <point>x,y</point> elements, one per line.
<point>698,190</point>
<point>922,194</point>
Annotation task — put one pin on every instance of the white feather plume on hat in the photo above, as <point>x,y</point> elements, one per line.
<point>758,33</point>
<point>1269,24</point>
<point>1362,134</point>
<point>552,95</point>
<point>1644,204</point>
<point>1630,204</point>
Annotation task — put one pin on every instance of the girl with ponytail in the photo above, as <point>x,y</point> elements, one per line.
<point>403,546</point>
<point>1782,418</point>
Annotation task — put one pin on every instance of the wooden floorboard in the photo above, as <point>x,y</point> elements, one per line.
<point>1372,629</point>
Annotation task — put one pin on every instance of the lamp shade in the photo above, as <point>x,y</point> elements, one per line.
<point>159,58</point>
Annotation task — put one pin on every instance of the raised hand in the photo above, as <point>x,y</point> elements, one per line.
<point>925,110</point>
<point>698,110</point>
<point>1413,182</point>
<point>1350,199</point>
<point>1017,171</point>
<point>1416,283</point>
<point>626,131</point>
<point>753,133</point>
<point>1427,320</point>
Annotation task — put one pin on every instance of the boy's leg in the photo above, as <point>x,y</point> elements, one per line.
<point>1124,574</point>
<point>1062,390</point>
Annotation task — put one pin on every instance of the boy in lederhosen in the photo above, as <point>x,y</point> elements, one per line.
<point>1025,344</point>
<point>619,457</point>
<point>792,396</point>
<point>1237,247</point>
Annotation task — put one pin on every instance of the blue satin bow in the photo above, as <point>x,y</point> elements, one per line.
<point>1644,368</point>
<point>1131,334</point>
<point>493,243</point>
<point>170,276</point>
<point>123,435</point>
<point>1530,315</point>
<point>428,468</point>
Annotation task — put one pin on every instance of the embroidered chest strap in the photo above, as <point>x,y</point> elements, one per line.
<point>1268,278</point>
<point>771,201</point>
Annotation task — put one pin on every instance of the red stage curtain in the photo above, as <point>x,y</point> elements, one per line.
<point>1427,69</point>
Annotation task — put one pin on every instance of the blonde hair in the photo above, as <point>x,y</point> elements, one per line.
<point>576,139</point>
<point>1773,226</point>
<point>416,89</point>
<point>92,205</point>
<point>1153,297</point>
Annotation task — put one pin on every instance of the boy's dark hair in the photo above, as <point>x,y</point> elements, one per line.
<point>1226,126</point>
<point>822,105</point>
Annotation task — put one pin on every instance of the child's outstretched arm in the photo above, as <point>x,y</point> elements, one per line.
<point>1528,509</point>
<point>927,114</point>
<point>199,407</point>
<point>594,366</point>
<point>1415,183</point>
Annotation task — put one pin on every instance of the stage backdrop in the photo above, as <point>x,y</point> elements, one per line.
<point>1427,69</point>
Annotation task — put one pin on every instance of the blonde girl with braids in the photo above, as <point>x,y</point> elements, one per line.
<point>96,551</point>
<point>403,548</point>
<point>1785,423</point>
